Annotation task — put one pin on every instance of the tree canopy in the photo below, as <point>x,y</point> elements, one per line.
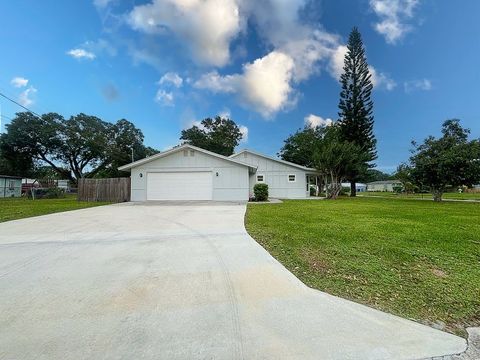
<point>449,161</point>
<point>335,158</point>
<point>81,146</point>
<point>299,148</point>
<point>355,105</point>
<point>219,135</point>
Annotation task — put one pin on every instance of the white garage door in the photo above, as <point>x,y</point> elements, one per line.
<point>179,186</point>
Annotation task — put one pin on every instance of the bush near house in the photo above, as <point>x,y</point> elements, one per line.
<point>261,192</point>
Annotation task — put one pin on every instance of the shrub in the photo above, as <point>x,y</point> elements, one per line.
<point>47,193</point>
<point>261,192</point>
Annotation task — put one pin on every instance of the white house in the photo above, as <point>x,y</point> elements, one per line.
<point>191,173</point>
<point>285,180</point>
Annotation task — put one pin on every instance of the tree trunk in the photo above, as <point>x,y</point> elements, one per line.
<point>353,189</point>
<point>437,195</point>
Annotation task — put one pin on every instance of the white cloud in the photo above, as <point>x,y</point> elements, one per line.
<point>81,54</point>
<point>315,120</point>
<point>206,27</point>
<point>380,80</point>
<point>164,98</point>
<point>297,49</point>
<point>171,78</point>
<point>264,85</point>
<point>225,114</point>
<point>394,16</point>
<point>422,85</point>
<point>19,82</point>
<point>26,97</point>
<point>244,131</point>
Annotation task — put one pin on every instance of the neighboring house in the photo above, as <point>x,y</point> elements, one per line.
<point>359,186</point>
<point>191,173</point>
<point>385,185</point>
<point>10,186</point>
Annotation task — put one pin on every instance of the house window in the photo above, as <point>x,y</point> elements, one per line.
<point>245,155</point>
<point>260,178</point>
<point>291,178</point>
<point>11,185</point>
<point>185,152</point>
<point>192,153</point>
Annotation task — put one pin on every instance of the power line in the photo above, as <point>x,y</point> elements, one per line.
<point>17,103</point>
<point>6,117</point>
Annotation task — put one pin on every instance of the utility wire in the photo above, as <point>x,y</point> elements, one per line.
<point>17,103</point>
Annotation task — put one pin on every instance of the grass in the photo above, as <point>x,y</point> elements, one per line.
<point>416,259</point>
<point>19,208</point>
<point>451,196</point>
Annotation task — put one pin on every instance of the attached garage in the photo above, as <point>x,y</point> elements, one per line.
<point>189,173</point>
<point>186,185</point>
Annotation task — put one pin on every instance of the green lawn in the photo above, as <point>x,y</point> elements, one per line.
<point>18,208</point>
<point>455,196</point>
<point>416,259</point>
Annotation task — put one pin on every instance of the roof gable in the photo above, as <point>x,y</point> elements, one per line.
<point>284,162</point>
<point>177,149</point>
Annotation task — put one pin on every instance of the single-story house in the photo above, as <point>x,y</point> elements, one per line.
<point>191,173</point>
<point>10,186</point>
<point>384,185</point>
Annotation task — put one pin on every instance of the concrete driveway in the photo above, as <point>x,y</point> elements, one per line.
<point>177,281</point>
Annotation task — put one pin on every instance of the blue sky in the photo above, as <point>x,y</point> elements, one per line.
<point>272,66</point>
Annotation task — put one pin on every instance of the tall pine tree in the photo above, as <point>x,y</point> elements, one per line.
<point>356,106</point>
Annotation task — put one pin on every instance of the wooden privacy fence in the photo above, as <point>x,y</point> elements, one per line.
<point>112,190</point>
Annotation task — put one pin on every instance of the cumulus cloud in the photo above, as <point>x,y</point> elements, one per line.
<point>264,84</point>
<point>19,82</point>
<point>394,16</point>
<point>297,49</point>
<point>380,80</point>
<point>26,97</point>
<point>172,79</point>
<point>421,85</point>
<point>315,120</point>
<point>205,26</point>
<point>164,98</point>
<point>244,131</point>
<point>81,54</point>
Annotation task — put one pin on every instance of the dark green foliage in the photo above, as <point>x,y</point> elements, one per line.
<point>335,159</point>
<point>82,146</point>
<point>260,192</point>
<point>356,106</point>
<point>219,135</point>
<point>299,148</point>
<point>449,161</point>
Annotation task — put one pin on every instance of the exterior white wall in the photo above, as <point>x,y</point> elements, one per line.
<point>276,176</point>
<point>231,184</point>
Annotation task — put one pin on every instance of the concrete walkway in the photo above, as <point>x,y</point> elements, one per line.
<point>177,281</point>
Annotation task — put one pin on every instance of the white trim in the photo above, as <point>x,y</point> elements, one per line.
<point>260,181</point>
<point>182,147</point>
<point>294,178</point>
